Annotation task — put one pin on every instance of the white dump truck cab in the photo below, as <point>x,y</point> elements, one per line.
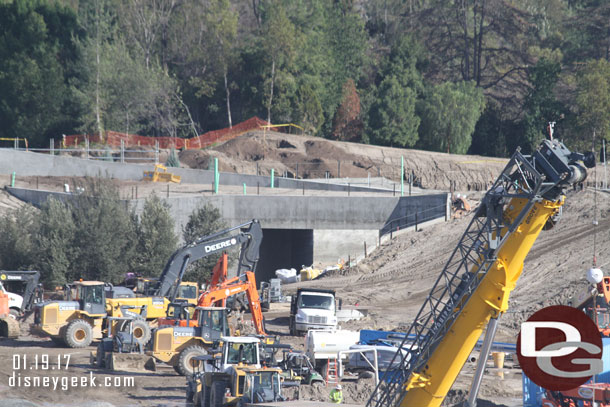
<point>15,301</point>
<point>312,309</point>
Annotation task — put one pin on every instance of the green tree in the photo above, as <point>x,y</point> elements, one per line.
<point>172,159</point>
<point>36,53</point>
<point>449,114</point>
<point>392,117</point>
<point>156,238</point>
<point>17,247</point>
<point>279,38</point>
<point>541,106</point>
<point>593,100</point>
<point>203,221</point>
<point>106,236</point>
<point>55,243</point>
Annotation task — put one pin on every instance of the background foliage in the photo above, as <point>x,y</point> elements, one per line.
<point>374,71</point>
<point>94,236</point>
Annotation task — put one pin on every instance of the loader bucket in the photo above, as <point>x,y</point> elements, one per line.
<point>9,327</point>
<point>130,362</point>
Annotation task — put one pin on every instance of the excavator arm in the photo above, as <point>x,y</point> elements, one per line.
<point>473,289</point>
<point>243,283</point>
<point>249,239</point>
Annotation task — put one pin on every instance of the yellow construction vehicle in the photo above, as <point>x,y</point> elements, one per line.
<point>160,174</point>
<point>473,289</point>
<point>234,379</point>
<point>79,320</point>
<point>178,345</point>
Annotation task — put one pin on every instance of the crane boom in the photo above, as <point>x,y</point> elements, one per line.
<point>475,283</point>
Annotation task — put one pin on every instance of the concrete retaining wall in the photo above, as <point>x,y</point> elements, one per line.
<point>340,225</point>
<point>36,164</point>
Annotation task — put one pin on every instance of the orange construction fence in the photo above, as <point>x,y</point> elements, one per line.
<point>113,138</point>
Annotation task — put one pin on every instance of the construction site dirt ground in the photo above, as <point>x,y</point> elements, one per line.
<point>390,285</point>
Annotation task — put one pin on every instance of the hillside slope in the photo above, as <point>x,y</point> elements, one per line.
<point>315,156</point>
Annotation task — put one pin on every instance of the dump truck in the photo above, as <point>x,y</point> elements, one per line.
<point>312,309</point>
<point>473,289</point>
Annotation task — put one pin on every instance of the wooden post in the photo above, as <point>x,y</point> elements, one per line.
<point>258,188</point>
<point>365,249</point>
<point>136,192</point>
<point>416,220</point>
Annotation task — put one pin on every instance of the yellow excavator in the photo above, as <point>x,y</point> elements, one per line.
<point>472,291</point>
<point>82,318</point>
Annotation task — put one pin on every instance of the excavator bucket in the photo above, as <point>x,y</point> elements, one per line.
<point>124,362</point>
<point>9,327</point>
<point>130,362</point>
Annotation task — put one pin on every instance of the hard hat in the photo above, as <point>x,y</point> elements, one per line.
<point>338,387</point>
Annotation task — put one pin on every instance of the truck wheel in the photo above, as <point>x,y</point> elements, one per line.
<point>186,364</point>
<point>78,334</point>
<point>14,313</point>
<point>141,332</point>
<point>218,392</point>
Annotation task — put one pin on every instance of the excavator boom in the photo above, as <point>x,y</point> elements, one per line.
<point>249,239</point>
<point>236,286</point>
<point>473,288</point>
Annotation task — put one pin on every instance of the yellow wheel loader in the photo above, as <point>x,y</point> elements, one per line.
<point>179,345</point>
<point>236,378</point>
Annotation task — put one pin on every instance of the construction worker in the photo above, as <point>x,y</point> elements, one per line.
<point>336,395</point>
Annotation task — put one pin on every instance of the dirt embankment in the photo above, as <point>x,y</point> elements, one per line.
<point>313,157</point>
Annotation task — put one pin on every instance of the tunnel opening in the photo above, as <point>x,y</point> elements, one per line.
<point>284,249</point>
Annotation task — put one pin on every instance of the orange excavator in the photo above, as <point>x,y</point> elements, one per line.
<point>9,327</point>
<point>221,288</point>
<point>217,293</point>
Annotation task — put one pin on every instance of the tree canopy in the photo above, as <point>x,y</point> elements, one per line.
<point>180,68</point>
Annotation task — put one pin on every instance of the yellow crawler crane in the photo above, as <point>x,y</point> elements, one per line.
<point>473,289</point>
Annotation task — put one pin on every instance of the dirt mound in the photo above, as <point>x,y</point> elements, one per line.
<point>313,157</point>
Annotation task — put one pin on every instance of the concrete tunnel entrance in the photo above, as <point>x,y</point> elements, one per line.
<point>284,248</point>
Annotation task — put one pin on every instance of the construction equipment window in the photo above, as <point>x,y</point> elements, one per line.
<point>214,320</point>
<point>266,386</point>
<point>93,294</point>
<point>187,291</point>
<point>316,301</point>
<point>242,353</point>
